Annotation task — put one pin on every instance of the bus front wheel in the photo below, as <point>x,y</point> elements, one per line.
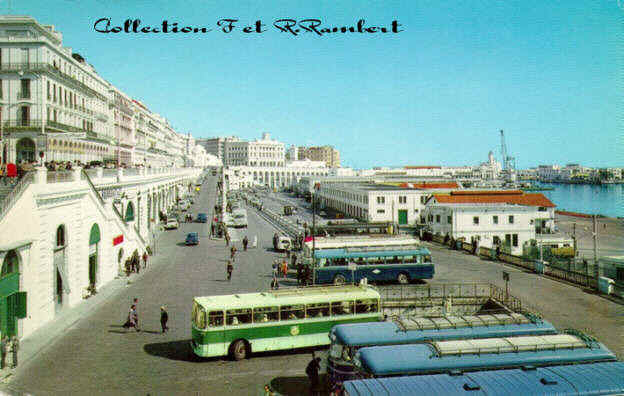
<point>339,280</point>
<point>238,350</point>
<point>403,278</point>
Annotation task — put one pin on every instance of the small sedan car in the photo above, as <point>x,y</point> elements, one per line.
<point>171,224</point>
<point>202,218</point>
<point>192,238</point>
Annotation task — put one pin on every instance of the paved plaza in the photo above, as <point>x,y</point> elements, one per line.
<point>94,355</point>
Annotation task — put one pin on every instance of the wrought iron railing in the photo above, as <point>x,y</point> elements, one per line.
<point>16,193</point>
<point>48,68</point>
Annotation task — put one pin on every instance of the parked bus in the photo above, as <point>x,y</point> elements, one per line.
<point>402,264</point>
<point>353,241</point>
<point>576,379</point>
<point>281,319</point>
<point>479,354</point>
<point>346,340</point>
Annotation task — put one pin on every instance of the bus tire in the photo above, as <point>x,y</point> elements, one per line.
<point>238,350</point>
<point>403,278</point>
<point>339,280</point>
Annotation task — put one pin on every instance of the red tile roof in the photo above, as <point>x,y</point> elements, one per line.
<point>425,185</point>
<point>481,197</point>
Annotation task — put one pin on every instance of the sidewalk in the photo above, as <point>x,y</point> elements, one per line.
<point>46,335</point>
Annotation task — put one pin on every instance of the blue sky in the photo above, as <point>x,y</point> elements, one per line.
<point>549,73</point>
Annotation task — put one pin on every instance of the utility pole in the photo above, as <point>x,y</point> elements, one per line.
<point>595,247</point>
<point>574,237</point>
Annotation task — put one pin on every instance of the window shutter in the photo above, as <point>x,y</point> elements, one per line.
<point>20,299</point>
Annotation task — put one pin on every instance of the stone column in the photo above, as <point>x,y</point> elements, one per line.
<point>76,171</point>
<point>41,175</point>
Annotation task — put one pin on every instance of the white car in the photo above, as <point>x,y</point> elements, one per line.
<point>172,224</point>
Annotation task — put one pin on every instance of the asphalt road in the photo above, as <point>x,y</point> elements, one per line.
<point>96,356</point>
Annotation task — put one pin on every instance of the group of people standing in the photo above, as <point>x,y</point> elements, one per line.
<point>133,264</point>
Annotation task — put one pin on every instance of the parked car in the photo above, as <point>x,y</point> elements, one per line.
<point>192,238</point>
<point>171,224</point>
<point>281,242</point>
<point>202,218</point>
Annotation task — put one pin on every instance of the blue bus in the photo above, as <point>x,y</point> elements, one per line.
<point>347,339</point>
<point>378,264</point>
<point>576,379</point>
<point>478,354</point>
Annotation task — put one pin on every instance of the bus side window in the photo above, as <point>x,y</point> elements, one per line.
<point>238,316</point>
<point>266,314</point>
<point>292,312</point>
<point>215,318</point>
<point>342,308</point>
<point>317,310</point>
<point>365,306</point>
<point>427,259</point>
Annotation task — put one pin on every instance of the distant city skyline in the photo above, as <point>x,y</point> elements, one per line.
<point>436,93</point>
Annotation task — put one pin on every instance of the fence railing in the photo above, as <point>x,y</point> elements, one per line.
<point>16,193</point>
<point>59,176</point>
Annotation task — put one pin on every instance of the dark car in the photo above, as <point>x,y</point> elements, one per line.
<point>192,238</point>
<point>202,218</point>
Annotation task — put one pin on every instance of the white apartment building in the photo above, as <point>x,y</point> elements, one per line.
<point>53,102</point>
<point>277,177</point>
<point>124,129</point>
<point>548,172</point>
<point>216,145</point>
<point>511,218</point>
<point>260,152</point>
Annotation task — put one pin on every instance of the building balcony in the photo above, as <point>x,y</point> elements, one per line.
<point>23,95</point>
<point>38,67</point>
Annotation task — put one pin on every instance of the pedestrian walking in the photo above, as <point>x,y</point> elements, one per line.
<point>14,348</point>
<point>274,284</point>
<point>299,274</point>
<point>164,317</point>
<point>312,372</point>
<point>4,346</point>
<point>276,269</point>
<point>227,239</point>
<point>285,268</point>
<point>144,259</point>
<point>245,242</point>
<point>229,269</point>
<point>132,320</point>
<point>232,252</point>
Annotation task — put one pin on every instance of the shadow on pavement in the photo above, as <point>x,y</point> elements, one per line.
<point>180,244</point>
<point>299,385</point>
<point>174,350</point>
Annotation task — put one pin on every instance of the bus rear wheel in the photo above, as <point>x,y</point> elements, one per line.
<point>402,278</point>
<point>339,280</point>
<point>238,350</point>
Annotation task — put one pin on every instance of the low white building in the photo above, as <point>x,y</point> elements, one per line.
<point>509,218</point>
<point>400,203</point>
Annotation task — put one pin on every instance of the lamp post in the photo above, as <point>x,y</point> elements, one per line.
<point>317,187</point>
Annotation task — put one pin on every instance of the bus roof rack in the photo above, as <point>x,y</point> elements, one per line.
<point>291,291</point>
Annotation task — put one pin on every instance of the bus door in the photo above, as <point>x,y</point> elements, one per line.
<point>216,333</point>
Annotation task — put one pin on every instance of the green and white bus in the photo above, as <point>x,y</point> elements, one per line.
<point>240,324</point>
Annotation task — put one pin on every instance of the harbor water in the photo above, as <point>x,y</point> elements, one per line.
<point>606,200</point>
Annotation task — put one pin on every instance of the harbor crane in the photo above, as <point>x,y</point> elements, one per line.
<point>509,162</point>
